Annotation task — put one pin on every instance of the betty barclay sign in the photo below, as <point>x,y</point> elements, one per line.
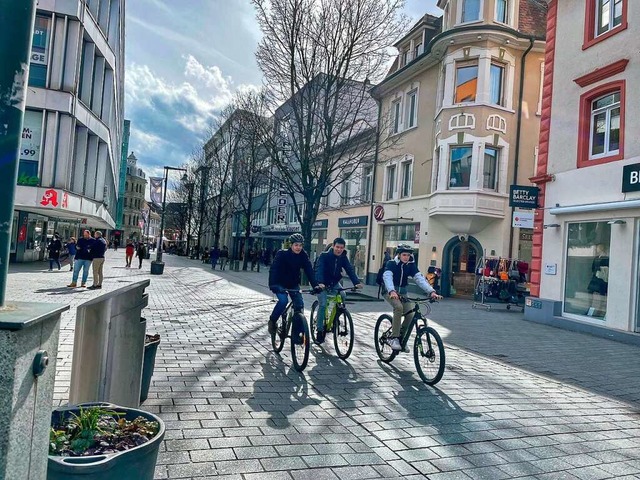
<point>523,197</point>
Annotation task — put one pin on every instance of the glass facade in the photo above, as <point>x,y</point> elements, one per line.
<point>587,271</point>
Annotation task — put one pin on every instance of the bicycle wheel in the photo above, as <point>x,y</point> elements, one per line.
<point>314,320</point>
<point>277,339</point>
<point>428,355</point>
<point>343,334</point>
<point>299,342</point>
<point>381,333</point>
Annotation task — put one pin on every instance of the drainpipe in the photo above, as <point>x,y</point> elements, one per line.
<point>373,188</point>
<point>523,64</point>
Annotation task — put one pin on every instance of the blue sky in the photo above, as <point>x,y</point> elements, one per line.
<point>184,61</point>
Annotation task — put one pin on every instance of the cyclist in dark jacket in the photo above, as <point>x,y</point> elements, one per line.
<point>284,278</point>
<point>329,268</point>
<point>396,276</point>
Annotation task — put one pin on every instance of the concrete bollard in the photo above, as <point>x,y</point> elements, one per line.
<point>29,335</point>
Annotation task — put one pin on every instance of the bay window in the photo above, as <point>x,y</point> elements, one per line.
<point>502,11</point>
<point>470,10</point>
<point>490,169</point>
<point>460,166</point>
<point>497,84</point>
<point>466,82</point>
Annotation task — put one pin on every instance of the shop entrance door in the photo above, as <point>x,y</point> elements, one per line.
<point>459,260</point>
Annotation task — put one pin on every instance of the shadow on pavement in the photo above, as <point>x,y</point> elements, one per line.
<point>60,291</point>
<point>278,393</point>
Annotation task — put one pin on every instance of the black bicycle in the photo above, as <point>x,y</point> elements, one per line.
<point>293,325</point>
<point>337,319</point>
<point>428,349</point>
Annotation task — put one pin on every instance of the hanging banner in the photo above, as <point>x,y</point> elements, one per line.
<point>281,209</point>
<point>155,186</point>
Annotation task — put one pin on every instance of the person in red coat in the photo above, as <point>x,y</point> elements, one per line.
<point>130,250</point>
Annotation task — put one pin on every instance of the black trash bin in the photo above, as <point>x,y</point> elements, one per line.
<point>148,364</point>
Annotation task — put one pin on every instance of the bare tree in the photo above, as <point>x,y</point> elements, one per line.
<point>179,211</point>
<point>319,57</point>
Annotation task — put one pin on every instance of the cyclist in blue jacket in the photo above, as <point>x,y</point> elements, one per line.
<point>284,278</point>
<point>329,268</point>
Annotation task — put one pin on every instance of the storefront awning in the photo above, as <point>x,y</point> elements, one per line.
<point>58,203</point>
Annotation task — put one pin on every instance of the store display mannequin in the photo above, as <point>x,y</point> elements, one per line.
<point>599,283</point>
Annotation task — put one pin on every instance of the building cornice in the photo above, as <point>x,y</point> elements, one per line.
<point>602,73</point>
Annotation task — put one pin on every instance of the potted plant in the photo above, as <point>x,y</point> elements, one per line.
<point>103,442</point>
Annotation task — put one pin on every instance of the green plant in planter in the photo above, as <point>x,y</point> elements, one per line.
<point>97,430</point>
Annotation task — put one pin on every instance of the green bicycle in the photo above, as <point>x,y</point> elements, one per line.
<point>338,320</point>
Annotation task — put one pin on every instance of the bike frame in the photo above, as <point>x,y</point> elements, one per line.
<point>330,314</point>
<point>417,316</point>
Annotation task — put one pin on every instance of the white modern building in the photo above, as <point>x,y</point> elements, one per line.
<point>587,238</point>
<point>71,140</point>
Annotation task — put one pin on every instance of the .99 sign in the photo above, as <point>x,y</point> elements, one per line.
<point>28,152</point>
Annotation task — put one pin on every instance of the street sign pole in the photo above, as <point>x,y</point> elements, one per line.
<point>16,32</point>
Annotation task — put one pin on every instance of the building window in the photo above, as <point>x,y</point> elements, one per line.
<point>603,18</point>
<point>367,184</point>
<point>39,52</point>
<point>601,126</point>
<point>460,166</point>
<point>470,10</point>
<point>346,189</point>
<point>502,11</point>
<point>417,50</point>
<point>605,125</point>
<point>587,275</point>
<point>395,116</point>
<point>405,58</point>
<point>412,109</point>
<point>391,182</point>
<point>497,84</point>
<point>490,170</point>
<point>466,82</point>
<point>608,15</point>
<point>407,179</point>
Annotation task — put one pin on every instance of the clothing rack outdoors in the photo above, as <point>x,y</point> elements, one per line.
<point>500,280</point>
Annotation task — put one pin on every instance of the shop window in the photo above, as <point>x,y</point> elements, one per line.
<point>587,274</point>
<point>502,11</point>
<point>470,10</point>
<point>601,126</point>
<point>497,84</point>
<point>490,170</point>
<point>412,109</point>
<point>356,239</point>
<point>604,18</point>
<point>407,178</point>
<point>390,175</point>
<point>460,166</point>
<point>466,82</point>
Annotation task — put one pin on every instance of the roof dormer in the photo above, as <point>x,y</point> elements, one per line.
<point>459,13</point>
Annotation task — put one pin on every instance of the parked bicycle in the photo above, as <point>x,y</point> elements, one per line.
<point>428,349</point>
<point>294,326</point>
<point>338,320</point>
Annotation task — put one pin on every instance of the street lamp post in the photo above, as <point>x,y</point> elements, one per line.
<point>203,184</point>
<point>189,186</point>
<point>157,266</point>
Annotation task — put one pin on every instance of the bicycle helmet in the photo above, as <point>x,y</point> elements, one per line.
<point>404,248</point>
<point>296,238</point>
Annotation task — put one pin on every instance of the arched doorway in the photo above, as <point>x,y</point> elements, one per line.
<point>459,264</point>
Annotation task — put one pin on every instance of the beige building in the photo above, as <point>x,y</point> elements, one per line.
<point>134,201</point>
<point>463,104</point>
<point>588,237</point>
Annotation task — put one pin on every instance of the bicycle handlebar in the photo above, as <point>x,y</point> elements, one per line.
<point>420,300</point>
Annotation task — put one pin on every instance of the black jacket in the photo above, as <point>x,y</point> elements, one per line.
<point>55,246</point>
<point>285,270</point>
<point>98,248</point>
<point>84,246</point>
<point>329,269</point>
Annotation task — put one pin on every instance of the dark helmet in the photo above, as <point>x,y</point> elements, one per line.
<point>404,248</point>
<point>296,238</point>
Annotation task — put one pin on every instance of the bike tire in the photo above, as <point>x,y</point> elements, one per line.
<point>380,335</point>
<point>314,320</point>
<point>343,334</point>
<point>278,338</point>
<point>299,342</point>
<point>428,355</point>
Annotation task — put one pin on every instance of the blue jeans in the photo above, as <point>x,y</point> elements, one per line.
<point>283,299</point>
<point>322,303</point>
<point>51,260</point>
<point>84,265</point>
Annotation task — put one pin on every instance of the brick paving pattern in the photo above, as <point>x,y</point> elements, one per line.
<point>518,400</point>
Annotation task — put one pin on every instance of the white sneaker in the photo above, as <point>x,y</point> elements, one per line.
<point>394,343</point>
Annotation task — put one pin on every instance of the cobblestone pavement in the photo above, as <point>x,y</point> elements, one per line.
<point>233,409</point>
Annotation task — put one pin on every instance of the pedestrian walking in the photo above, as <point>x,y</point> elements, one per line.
<point>83,259</point>
<point>71,248</point>
<point>97,255</point>
<point>141,252</point>
<point>224,257</point>
<point>129,251</point>
<point>214,254</point>
<point>54,248</point>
